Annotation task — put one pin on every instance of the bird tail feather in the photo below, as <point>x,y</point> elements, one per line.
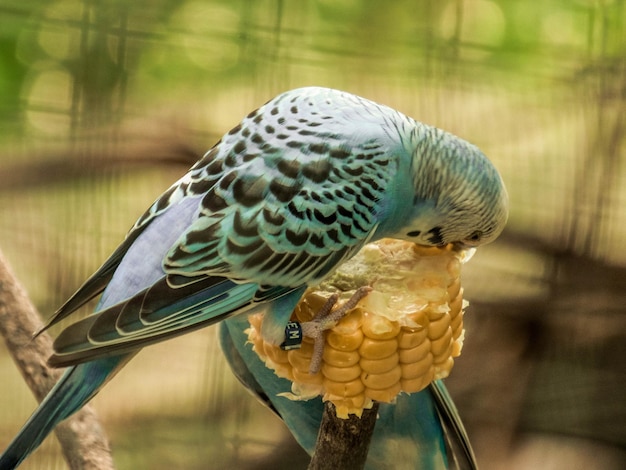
<point>75,388</point>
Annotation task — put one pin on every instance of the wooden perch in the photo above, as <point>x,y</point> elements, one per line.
<point>343,443</point>
<point>83,441</point>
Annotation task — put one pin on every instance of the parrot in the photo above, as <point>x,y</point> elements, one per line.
<point>299,186</point>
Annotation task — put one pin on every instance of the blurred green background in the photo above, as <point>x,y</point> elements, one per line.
<point>104,104</point>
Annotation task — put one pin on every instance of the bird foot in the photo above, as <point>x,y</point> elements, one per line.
<point>325,319</point>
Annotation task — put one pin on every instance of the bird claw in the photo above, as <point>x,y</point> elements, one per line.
<point>325,319</point>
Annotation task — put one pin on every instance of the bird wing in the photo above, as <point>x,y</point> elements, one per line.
<point>276,210</point>
<point>95,284</point>
<point>155,314</point>
<point>285,218</point>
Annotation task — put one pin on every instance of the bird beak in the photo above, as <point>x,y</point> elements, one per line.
<point>465,251</point>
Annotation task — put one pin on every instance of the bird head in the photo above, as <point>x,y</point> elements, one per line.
<point>459,196</point>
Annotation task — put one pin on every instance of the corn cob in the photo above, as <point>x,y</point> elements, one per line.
<point>400,337</point>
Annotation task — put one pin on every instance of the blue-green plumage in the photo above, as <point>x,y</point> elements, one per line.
<point>295,189</point>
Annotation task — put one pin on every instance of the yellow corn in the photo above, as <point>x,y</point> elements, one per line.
<point>399,338</point>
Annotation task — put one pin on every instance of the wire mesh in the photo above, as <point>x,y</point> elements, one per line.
<point>104,104</point>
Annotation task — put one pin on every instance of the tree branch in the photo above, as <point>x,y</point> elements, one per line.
<point>343,443</point>
<point>83,441</point>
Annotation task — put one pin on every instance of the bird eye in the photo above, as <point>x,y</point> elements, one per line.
<point>414,233</point>
<point>475,236</point>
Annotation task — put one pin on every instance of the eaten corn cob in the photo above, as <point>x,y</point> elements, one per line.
<point>400,337</point>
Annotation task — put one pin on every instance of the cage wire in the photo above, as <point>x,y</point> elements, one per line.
<point>104,104</point>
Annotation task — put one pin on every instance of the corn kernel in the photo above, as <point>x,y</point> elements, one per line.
<point>416,353</point>
<point>378,366</point>
<point>409,338</point>
<point>456,323</point>
<point>305,377</point>
<point>418,383</point>
<point>374,348</point>
<point>377,327</point>
<point>299,359</point>
<point>385,395</point>
<point>340,358</point>
<point>457,302</point>
<point>437,328</point>
<point>454,289</point>
<point>350,342</point>
<point>344,389</point>
<point>383,380</point>
<point>341,374</point>
<point>442,346</point>
<point>412,370</point>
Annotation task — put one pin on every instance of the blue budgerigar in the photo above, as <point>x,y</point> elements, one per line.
<point>295,189</point>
